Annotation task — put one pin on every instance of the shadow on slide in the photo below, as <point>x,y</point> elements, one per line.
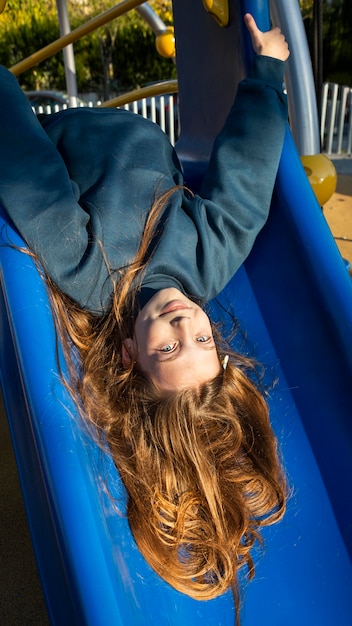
<point>293,298</point>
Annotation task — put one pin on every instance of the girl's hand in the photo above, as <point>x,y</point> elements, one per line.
<point>272,43</point>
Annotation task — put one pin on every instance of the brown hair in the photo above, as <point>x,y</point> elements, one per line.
<point>200,466</point>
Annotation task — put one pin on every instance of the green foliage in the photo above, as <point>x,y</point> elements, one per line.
<point>164,9</point>
<point>337,38</point>
<point>25,27</point>
<point>122,54</point>
<point>306,7</point>
<point>338,42</point>
<point>116,57</point>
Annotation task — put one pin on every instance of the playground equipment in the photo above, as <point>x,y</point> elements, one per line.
<point>304,122</point>
<point>293,297</point>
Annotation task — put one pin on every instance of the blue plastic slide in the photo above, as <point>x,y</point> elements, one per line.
<point>293,300</point>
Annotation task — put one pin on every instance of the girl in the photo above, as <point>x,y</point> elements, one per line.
<point>130,257</point>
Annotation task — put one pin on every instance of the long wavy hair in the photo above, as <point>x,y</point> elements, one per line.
<point>200,466</point>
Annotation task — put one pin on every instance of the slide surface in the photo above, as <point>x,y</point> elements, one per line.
<point>293,300</point>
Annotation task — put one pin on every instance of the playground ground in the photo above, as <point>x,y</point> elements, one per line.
<point>21,601</point>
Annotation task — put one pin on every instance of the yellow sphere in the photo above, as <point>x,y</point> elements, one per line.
<point>321,175</point>
<point>2,5</point>
<point>165,43</point>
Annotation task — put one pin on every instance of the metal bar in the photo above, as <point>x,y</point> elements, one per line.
<point>172,120</point>
<point>341,118</point>
<point>299,78</point>
<point>159,89</point>
<point>151,18</point>
<point>68,53</point>
<point>324,104</point>
<point>331,119</point>
<point>144,112</point>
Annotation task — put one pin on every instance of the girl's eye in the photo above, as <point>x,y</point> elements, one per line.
<point>168,348</point>
<point>203,338</point>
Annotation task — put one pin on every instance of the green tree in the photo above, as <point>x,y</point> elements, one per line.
<point>124,50</point>
<point>26,27</point>
<point>116,57</point>
<point>336,35</point>
<point>337,42</point>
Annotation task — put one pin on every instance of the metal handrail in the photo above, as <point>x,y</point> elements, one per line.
<point>159,89</point>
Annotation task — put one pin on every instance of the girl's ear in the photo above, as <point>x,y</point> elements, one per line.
<point>128,350</point>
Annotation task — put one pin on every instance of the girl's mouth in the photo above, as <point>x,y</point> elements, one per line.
<point>174,305</point>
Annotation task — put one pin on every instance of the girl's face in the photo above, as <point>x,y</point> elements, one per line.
<point>173,343</point>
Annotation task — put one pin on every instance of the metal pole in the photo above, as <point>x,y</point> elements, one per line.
<point>299,78</point>
<point>152,19</point>
<point>68,53</point>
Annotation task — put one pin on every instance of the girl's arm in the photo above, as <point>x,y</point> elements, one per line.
<point>236,193</point>
<point>205,243</point>
<point>37,193</point>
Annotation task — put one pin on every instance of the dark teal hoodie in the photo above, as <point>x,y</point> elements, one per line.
<point>79,186</point>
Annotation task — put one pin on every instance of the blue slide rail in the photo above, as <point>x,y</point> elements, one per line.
<point>293,298</point>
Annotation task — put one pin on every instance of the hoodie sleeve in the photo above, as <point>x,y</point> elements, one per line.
<point>216,230</point>
<point>38,195</point>
<point>237,190</point>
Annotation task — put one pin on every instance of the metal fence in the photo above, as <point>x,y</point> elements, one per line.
<point>336,120</point>
<point>335,127</point>
<point>163,110</point>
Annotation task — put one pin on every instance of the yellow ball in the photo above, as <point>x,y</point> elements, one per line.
<point>2,5</point>
<point>165,43</point>
<point>321,175</point>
